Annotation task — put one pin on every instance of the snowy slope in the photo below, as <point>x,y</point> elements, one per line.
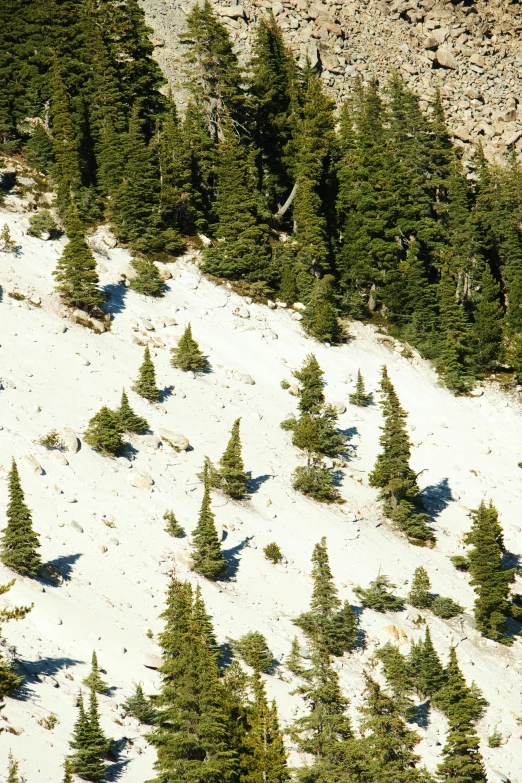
<point>59,374</point>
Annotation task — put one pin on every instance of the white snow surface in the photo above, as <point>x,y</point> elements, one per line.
<point>59,374</point>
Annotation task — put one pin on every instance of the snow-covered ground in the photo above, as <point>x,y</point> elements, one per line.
<point>58,374</point>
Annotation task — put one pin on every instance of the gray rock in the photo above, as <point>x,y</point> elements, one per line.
<point>150,441</point>
<point>33,463</point>
<point>152,661</point>
<point>75,526</point>
<point>174,439</point>
<point>70,440</point>
<point>446,58</point>
<point>233,11</point>
<point>339,407</point>
<point>141,479</point>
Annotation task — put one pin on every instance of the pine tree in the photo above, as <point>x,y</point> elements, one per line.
<point>188,356</point>
<point>7,245</point>
<point>12,770</point>
<point>173,527</point>
<point>490,580</point>
<point>9,680</point>
<point>430,677</point>
<point>94,680</point>
<point>127,419</point>
<point>458,701</point>
<point>254,650</point>
<point>294,660</point>
<point>75,272</point>
<point>329,627</point>
<point>148,280</point>
<point>89,744</point>
<point>202,625</point>
<point>392,472</point>
<point>207,555</point>
<point>419,595</point>
<point>67,772</point>
<point>65,142</point>
<point>242,248</point>
<point>139,706</point>
<point>397,673</point>
<point>360,397</point>
<point>265,751</point>
<point>104,432</point>
<point>234,479</point>
<point>19,543</point>
<point>320,317</point>
<point>177,197</point>
<point>378,595</point>
<point>454,348</point>
<point>145,386</point>
<point>487,328</point>
<point>40,153</point>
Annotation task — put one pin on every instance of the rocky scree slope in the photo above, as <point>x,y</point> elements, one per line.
<point>100,519</point>
<point>472,51</point>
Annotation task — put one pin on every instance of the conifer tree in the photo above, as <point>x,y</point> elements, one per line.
<point>265,751</point>
<point>233,477</point>
<point>202,625</point>
<point>104,432</point>
<point>320,317</point>
<point>392,472</point>
<point>177,199</point>
<point>294,660</point>
<point>430,677</point>
<point>419,595</point>
<point>490,580</point>
<point>454,347</point>
<point>173,527</point>
<point>139,706</point>
<point>7,245</point>
<point>242,248</point>
<point>329,627</point>
<point>19,543</point>
<point>378,595</point>
<point>127,419</point>
<point>207,555</point>
<point>65,141</point>
<point>110,160</point>
<point>397,673</point>
<point>148,280</point>
<point>252,647</point>
<point>40,153</point>
<point>188,356</point>
<point>12,770</point>
<point>94,680</point>
<point>487,327</point>
<point>456,699</point>
<point>360,397</point>
<point>75,272</point>
<point>145,386</point>
<point>67,772</point>
<point>88,743</point>
<point>9,680</point>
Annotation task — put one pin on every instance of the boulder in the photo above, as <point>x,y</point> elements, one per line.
<point>69,440</point>
<point>446,59</point>
<point>477,59</point>
<point>140,479</point>
<point>174,439</point>
<point>151,441</point>
<point>241,312</point>
<point>152,661</point>
<point>75,526</point>
<point>33,463</point>
<point>339,407</point>
<point>232,11</point>
<point>109,239</point>
<point>51,574</point>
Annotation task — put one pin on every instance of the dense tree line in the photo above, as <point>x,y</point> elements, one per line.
<point>379,217</point>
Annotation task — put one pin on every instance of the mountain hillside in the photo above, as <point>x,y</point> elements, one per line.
<point>100,519</point>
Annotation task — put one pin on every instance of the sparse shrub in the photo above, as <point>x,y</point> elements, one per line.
<point>254,650</point>
<point>173,527</point>
<point>148,280</point>
<point>7,245</point>
<point>273,553</point>
<point>51,441</point>
<point>495,739</point>
<point>285,384</point>
<point>378,595</point>
<point>460,562</point>
<point>360,397</point>
<point>49,721</point>
<point>445,607</point>
<point>41,223</point>
<point>93,680</point>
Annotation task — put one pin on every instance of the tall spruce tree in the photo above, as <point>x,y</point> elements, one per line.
<point>65,142</point>
<point>207,555</point>
<point>19,543</point>
<point>419,595</point>
<point>266,757</point>
<point>392,472</point>
<point>454,345</point>
<point>188,355</point>
<point>490,580</point>
<point>359,396</point>
<point>127,419</point>
<point>145,386</point>
<point>9,679</point>
<point>430,676</point>
<point>177,202</point>
<point>88,743</point>
<point>75,272</point>
<point>486,332</point>
<point>456,699</point>
<point>94,680</point>
<point>232,474</point>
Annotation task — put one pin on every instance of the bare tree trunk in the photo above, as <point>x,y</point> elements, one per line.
<point>288,203</point>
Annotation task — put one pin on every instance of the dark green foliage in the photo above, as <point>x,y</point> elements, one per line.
<point>320,317</point>
<point>454,349</point>
<point>94,680</point>
<point>233,477</point>
<point>207,555</point>
<point>41,222</point>
<point>19,542</point>
<point>330,627</point>
<point>445,607</point>
<point>127,419</point>
<point>378,595</point>
<point>89,743</point>
<point>360,397</point>
<point>425,666</point>
<point>419,595</point>
<point>75,272</point>
<point>273,553</point>
<point>460,562</point>
<point>9,680</point>
<point>145,386</point>
<point>254,650</point>
<point>148,280</point>
<point>294,660</point>
<point>173,527</point>
<point>139,706</point>
<point>265,755</point>
<point>392,472</point>
<point>397,673</point>
<point>67,772</point>
<point>40,152</point>
<point>490,580</point>
<point>177,198</point>
<point>456,699</point>
<point>66,169</point>
<point>12,770</point>
<point>187,356</point>
<point>104,432</point>
<point>487,328</point>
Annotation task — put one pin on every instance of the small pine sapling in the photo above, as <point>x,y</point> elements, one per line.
<point>419,595</point>
<point>460,562</point>
<point>273,553</point>
<point>145,386</point>
<point>188,356</point>
<point>7,245</point>
<point>94,680</point>
<point>360,397</point>
<point>128,420</point>
<point>12,769</point>
<point>148,280</point>
<point>139,706</point>
<point>67,771</point>
<point>254,650</point>
<point>173,527</point>
<point>294,661</point>
<point>19,542</point>
<point>378,595</point>
<point>51,441</point>
<point>104,432</point>
<point>233,477</point>
<point>207,555</point>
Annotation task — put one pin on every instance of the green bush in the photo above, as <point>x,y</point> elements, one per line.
<point>460,562</point>
<point>254,650</point>
<point>445,607</point>
<point>40,223</point>
<point>51,441</point>
<point>273,553</point>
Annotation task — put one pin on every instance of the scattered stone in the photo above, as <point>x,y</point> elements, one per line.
<point>141,480</point>
<point>33,463</point>
<point>152,661</point>
<point>339,407</point>
<point>446,59</point>
<point>241,312</point>
<point>70,441</point>
<point>233,11</point>
<point>75,526</point>
<point>174,439</point>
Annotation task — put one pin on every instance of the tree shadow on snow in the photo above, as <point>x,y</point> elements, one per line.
<point>420,714</point>
<point>33,671</point>
<point>165,393</point>
<point>64,565</point>
<point>350,449</point>
<point>360,638</point>
<point>115,294</point>
<point>436,498</point>
<point>256,483</point>
<point>233,559</point>
<point>115,771</point>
